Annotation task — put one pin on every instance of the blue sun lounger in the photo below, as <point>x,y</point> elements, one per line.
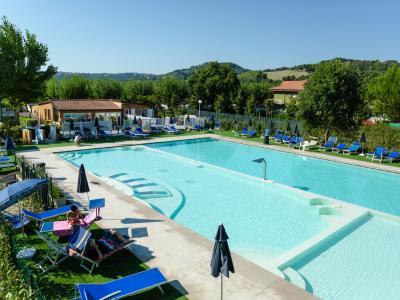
<point>295,141</point>
<point>378,154</point>
<point>42,216</point>
<point>329,143</point>
<point>140,133</point>
<point>122,287</point>
<point>170,130</point>
<point>16,221</point>
<point>278,135</point>
<point>352,149</point>
<point>285,139</point>
<point>392,156</point>
<point>339,148</point>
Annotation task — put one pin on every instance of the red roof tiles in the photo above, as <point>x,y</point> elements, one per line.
<point>86,104</point>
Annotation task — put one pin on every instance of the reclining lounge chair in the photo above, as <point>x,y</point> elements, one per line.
<point>352,149</point>
<point>329,143</point>
<point>75,248</point>
<point>42,216</point>
<point>122,287</point>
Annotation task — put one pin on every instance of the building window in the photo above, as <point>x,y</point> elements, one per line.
<point>77,117</point>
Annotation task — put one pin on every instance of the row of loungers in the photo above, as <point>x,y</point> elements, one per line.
<point>78,240</point>
<point>379,154</point>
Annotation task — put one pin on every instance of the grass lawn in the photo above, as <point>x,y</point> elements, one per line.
<point>59,282</point>
<point>349,157</point>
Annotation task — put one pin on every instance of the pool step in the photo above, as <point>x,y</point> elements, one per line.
<point>161,196</point>
<point>294,277</point>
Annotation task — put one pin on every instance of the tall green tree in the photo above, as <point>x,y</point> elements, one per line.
<point>106,89</point>
<point>23,66</point>
<point>138,91</point>
<point>384,91</point>
<point>172,92</point>
<point>215,79</point>
<point>331,99</point>
<point>75,87</point>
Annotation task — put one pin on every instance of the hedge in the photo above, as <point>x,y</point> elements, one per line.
<point>13,285</point>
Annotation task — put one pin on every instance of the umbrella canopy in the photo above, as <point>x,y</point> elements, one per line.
<point>96,123</point>
<point>288,127</point>
<point>221,261</point>
<point>83,185</point>
<point>16,191</point>
<point>363,138</point>
<point>71,124</point>
<point>9,144</point>
<point>296,129</point>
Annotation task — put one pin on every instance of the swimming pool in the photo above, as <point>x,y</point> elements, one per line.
<point>263,219</point>
<point>366,187</point>
<point>360,263</point>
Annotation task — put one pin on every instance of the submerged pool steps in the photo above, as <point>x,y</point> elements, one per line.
<point>152,192</point>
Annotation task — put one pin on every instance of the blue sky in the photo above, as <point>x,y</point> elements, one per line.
<point>160,36</point>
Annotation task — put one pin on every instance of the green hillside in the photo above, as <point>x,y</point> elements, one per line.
<point>185,73</point>
<point>279,75</point>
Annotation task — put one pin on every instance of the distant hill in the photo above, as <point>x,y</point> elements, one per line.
<point>185,73</point>
<point>115,76</point>
<point>280,75</point>
<point>365,66</point>
<point>180,73</point>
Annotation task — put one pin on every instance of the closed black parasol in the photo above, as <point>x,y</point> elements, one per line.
<point>221,260</point>
<point>83,185</point>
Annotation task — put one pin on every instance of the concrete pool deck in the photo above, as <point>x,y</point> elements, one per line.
<point>181,254</point>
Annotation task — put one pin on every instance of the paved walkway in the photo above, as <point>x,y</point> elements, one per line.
<point>181,254</point>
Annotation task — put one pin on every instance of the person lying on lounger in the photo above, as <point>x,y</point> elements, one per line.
<point>74,216</point>
<point>97,249</point>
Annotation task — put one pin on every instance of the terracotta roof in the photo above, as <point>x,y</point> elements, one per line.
<point>290,86</point>
<point>86,104</point>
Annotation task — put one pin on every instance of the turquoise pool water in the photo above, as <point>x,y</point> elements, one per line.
<point>369,188</point>
<point>362,263</point>
<point>263,220</point>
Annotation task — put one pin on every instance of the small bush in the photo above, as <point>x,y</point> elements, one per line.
<point>382,135</point>
<point>12,283</point>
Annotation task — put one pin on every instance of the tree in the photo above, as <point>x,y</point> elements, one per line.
<point>215,79</point>
<point>250,105</point>
<point>23,70</point>
<point>384,91</point>
<point>269,105</point>
<point>106,89</point>
<point>291,109</point>
<point>331,98</point>
<point>139,91</point>
<point>75,87</point>
<point>219,103</point>
<point>172,92</point>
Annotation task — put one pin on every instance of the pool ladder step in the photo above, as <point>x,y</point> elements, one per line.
<point>294,277</point>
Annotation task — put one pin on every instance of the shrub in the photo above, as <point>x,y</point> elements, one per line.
<point>382,135</point>
<point>12,283</point>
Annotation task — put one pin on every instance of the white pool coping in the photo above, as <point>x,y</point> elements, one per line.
<point>349,214</point>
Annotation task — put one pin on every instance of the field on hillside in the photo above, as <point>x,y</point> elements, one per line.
<point>277,75</point>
